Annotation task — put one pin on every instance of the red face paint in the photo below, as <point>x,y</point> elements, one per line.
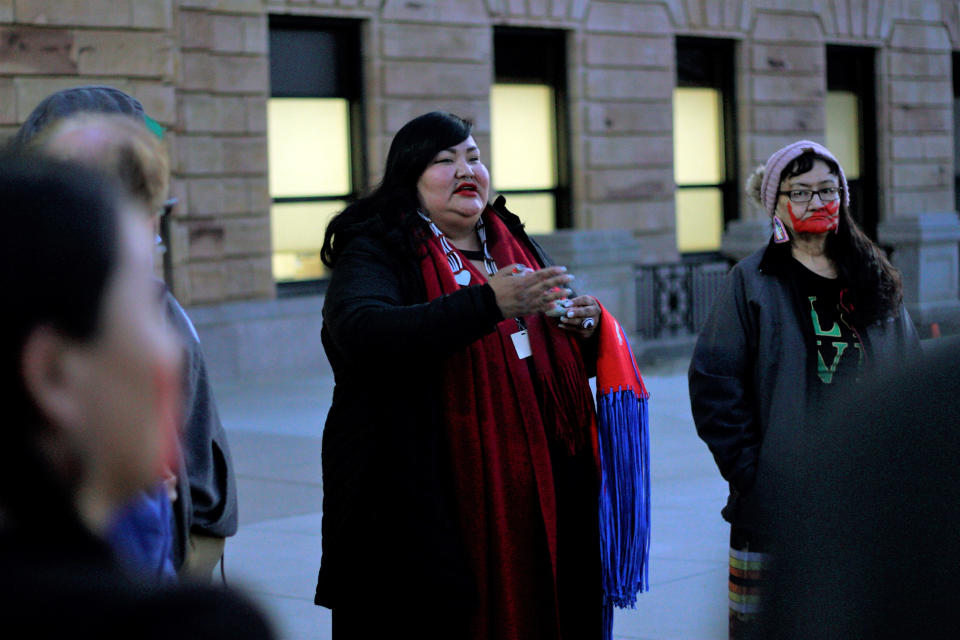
<point>821,220</point>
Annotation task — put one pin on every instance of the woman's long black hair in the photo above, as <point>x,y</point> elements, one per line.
<point>58,250</point>
<point>874,283</point>
<point>394,201</point>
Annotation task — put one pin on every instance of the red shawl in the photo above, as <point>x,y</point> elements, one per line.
<point>503,415</point>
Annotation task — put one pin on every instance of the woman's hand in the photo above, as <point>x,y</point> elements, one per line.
<point>522,291</point>
<point>582,316</point>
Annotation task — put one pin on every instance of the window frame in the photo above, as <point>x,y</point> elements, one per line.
<point>513,64</point>
<point>853,69</point>
<point>348,80</point>
<point>715,70</point>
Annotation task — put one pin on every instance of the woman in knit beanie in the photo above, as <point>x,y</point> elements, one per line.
<point>797,325</point>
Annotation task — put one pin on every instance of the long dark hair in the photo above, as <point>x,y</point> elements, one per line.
<point>874,283</point>
<point>58,250</point>
<point>394,201</point>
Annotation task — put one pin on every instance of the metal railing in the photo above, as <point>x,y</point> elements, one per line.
<point>673,300</point>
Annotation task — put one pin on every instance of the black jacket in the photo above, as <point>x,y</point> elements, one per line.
<point>389,520</point>
<point>65,583</point>
<point>206,483</point>
<point>750,379</point>
<point>874,552</point>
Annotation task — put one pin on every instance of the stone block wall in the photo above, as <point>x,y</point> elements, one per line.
<point>916,76</point>
<point>220,238</point>
<point>625,109</point>
<point>201,68</point>
<point>46,46</point>
<point>437,54</point>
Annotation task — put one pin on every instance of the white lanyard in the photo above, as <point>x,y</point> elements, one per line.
<point>460,273</point>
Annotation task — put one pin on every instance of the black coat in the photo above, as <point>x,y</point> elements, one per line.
<point>65,583</point>
<point>750,381</point>
<point>389,518</point>
<point>874,552</point>
<point>206,482</point>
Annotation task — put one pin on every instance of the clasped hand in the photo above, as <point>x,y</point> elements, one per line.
<point>521,291</point>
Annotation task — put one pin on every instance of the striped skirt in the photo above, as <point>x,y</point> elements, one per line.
<point>748,564</point>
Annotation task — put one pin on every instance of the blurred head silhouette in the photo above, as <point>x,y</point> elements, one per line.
<point>89,369</point>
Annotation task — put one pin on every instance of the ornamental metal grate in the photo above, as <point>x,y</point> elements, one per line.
<point>673,300</point>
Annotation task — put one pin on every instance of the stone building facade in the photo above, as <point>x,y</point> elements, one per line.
<point>202,69</point>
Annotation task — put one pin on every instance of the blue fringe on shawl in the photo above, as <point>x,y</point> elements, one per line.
<point>624,451</point>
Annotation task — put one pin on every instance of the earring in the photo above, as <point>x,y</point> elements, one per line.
<point>779,231</point>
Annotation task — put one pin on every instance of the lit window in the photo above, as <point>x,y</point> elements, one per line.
<point>309,159</point>
<point>524,153</point>
<point>702,144</point>
<point>699,219</point>
<point>843,130</point>
<point>527,124</point>
<point>851,129</point>
<point>698,141</point>
<point>310,129</point>
<point>298,128</point>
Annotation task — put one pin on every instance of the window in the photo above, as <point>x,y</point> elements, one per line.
<point>704,156</point>
<point>851,127</point>
<point>528,125</point>
<point>313,129</point>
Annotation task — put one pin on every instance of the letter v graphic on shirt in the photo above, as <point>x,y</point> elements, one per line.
<point>825,372</point>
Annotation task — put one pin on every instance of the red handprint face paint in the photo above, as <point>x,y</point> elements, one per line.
<point>820,220</point>
<point>814,216</point>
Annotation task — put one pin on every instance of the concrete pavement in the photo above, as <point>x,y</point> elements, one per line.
<point>275,428</point>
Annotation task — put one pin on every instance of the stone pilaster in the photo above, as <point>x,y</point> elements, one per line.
<point>917,185</point>
<point>925,250</point>
<point>625,109</point>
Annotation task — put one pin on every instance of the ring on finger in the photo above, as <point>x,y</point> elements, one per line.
<point>587,323</point>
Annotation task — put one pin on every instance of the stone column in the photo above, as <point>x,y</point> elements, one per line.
<point>628,77</point>
<point>925,250</point>
<point>917,186</point>
<point>220,230</point>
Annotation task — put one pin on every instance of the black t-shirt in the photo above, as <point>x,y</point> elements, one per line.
<point>839,351</point>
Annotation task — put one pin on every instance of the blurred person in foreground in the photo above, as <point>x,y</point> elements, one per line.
<point>127,146</point>
<point>91,387</point>
<point>874,548</point>
<point>799,323</point>
<point>460,482</point>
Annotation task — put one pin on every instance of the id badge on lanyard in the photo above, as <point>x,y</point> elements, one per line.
<point>521,342</point>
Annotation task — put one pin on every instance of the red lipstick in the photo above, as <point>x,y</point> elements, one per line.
<point>467,188</point>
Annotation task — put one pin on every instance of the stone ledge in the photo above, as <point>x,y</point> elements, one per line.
<point>936,228</point>
<point>246,310</point>
<point>262,339</point>
<point>591,247</point>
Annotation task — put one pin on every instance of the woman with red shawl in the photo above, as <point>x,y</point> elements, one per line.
<point>459,454</point>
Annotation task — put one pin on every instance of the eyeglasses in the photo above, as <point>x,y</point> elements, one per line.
<point>167,207</point>
<point>802,196</point>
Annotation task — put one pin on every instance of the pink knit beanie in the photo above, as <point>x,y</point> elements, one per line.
<point>779,161</point>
